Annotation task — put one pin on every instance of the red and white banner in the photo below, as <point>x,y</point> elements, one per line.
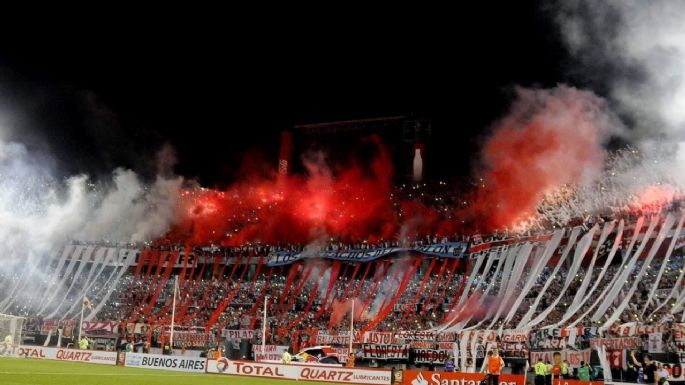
<point>514,343</point>
<point>616,359</point>
<point>679,332</point>
<point>574,357</point>
<point>422,344</point>
<point>137,328</point>
<point>515,336</point>
<point>237,334</point>
<point>481,336</point>
<point>188,335</point>
<point>323,338</point>
<point>67,326</point>
<point>432,356</point>
<point>655,342</point>
<point>425,377</point>
<point>47,353</point>
<point>342,354</point>
<point>634,329</point>
<point>270,353</point>
<point>385,352</point>
<point>380,338</point>
<point>300,372</point>
<point>414,335</point>
<point>110,327</point>
<point>630,343</point>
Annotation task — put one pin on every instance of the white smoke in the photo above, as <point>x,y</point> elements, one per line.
<point>640,46</point>
<point>389,285</point>
<point>634,51</point>
<point>40,214</point>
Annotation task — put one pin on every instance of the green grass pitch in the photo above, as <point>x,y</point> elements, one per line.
<point>21,371</point>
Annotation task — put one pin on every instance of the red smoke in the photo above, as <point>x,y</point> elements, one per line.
<point>341,310</point>
<point>653,198</point>
<point>550,138</point>
<point>349,203</point>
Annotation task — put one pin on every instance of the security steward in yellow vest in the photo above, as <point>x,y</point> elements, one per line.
<point>539,372</point>
<point>548,373</point>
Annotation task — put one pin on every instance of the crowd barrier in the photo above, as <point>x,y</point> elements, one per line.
<point>63,354</point>
<point>300,372</point>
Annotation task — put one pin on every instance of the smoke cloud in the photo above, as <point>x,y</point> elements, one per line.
<point>39,214</point>
<point>639,48</point>
<point>550,138</point>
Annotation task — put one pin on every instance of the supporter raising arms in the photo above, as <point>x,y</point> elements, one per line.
<point>648,367</point>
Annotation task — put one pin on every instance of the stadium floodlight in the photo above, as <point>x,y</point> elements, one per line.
<point>10,332</point>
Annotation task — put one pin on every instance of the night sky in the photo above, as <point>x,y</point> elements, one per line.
<point>219,93</point>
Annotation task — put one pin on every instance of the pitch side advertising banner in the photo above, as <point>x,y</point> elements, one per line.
<point>74,355</point>
<point>575,382</point>
<point>158,361</point>
<point>425,377</point>
<point>300,372</point>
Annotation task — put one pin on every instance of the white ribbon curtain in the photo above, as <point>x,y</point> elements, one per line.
<point>571,241</point>
<point>130,259</point>
<point>522,258</point>
<point>85,261</point>
<point>598,280</point>
<point>622,275</point>
<point>102,257</point>
<point>672,293</point>
<point>535,273</point>
<point>491,284</point>
<point>655,246</point>
<point>37,264</point>
<point>664,263</point>
<point>581,297</point>
<point>581,249</point>
<point>56,288</point>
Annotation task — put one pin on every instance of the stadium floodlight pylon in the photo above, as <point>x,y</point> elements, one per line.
<point>10,326</point>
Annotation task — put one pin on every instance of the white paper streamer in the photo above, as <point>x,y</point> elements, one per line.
<point>520,263</point>
<point>130,259</point>
<point>571,241</point>
<point>598,280</point>
<point>581,249</point>
<point>56,288</point>
<point>620,277</point>
<point>664,263</point>
<point>550,247</point>
<point>655,246</point>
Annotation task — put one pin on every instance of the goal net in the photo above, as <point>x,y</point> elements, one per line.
<point>10,326</point>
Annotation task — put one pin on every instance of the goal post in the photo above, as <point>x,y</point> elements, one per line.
<point>10,326</point>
